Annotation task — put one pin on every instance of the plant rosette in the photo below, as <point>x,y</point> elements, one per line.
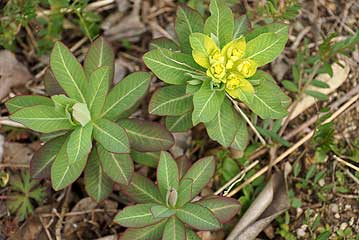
<point>212,63</point>
<point>85,123</point>
<point>168,210</point>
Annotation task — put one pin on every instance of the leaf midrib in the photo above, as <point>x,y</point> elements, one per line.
<point>106,133</point>
<point>170,101</point>
<point>146,193</point>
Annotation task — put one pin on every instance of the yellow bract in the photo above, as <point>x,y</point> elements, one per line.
<point>225,65</point>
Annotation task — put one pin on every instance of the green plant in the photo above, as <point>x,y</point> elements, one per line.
<point>215,66</point>
<point>24,192</point>
<point>89,125</point>
<point>167,209</point>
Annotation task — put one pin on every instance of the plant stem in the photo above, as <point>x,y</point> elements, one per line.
<point>238,109</point>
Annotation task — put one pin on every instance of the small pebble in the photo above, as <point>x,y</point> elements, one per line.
<point>347,207</point>
<point>321,182</point>
<point>334,208</point>
<point>343,226</point>
<point>300,232</point>
<point>337,216</point>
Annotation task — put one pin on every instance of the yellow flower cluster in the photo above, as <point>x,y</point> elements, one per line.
<point>227,65</point>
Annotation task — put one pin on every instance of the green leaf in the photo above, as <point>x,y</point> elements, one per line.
<point>171,67</point>
<point>68,72</point>
<point>62,102</point>
<point>223,127</point>
<point>147,136</point>
<point>207,102</point>
<point>97,184</point>
<point>184,192</point>
<point>19,102</point>
<point>41,161</point>
<point>319,84</point>
<point>171,101</point>
<point>278,28</point>
<point>160,211</point>
<point>126,94</point>
<point>174,230</point>
<point>42,118</point>
<point>80,143</point>
<point>222,207</point>
<point>268,105</point>
<point>147,233</point>
<point>200,172</point>
<point>164,43</point>
<point>188,21</point>
<point>265,48</point>
<point>167,173</point>
<point>241,139</point>
<point>137,216</point>
<point>149,159</point>
<point>198,217</point>
<point>220,23</point>
<point>241,26</point>
<point>62,172</point>
<point>142,190</point>
<point>52,86</point>
<point>81,113</point>
<point>99,84</point>
<point>318,95</point>
<point>290,86</point>
<point>99,54</point>
<point>191,235</point>
<point>111,136</point>
<point>119,167</point>
<point>179,123</point>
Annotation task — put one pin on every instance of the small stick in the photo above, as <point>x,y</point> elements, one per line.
<point>238,176</point>
<point>346,163</point>
<point>294,147</point>
<point>6,121</point>
<point>10,165</point>
<point>247,120</point>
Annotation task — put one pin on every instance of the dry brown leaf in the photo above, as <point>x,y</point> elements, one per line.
<point>17,153</point>
<point>271,202</point>
<point>12,73</point>
<point>340,74</point>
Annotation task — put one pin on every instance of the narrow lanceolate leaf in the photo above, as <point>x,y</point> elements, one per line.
<point>222,128</point>
<point>190,235</point>
<point>80,143</point>
<point>198,217</point>
<point>179,123</point>
<point>221,15</point>
<point>241,26</point>
<point>97,184</point>
<point>142,190</point>
<point>188,21</point>
<point>223,208</point>
<point>126,94</point>
<point>99,54</point>
<point>68,72</point>
<point>119,167</point>
<point>111,136</point>
<point>174,230</point>
<point>63,173</point>
<point>153,232</point>
<point>147,136</point>
<point>20,102</point>
<point>99,83</point>
<point>241,139</point>
<point>265,48</point>
<point>278,28</point>
<point>200,172</point>
<point>184,191</point>
<point>171,101</point>
<point>149,159</point>
<point>164,43</point>
<point>171,67</point>
<point>207,102</point>
<point>40,164</point>
<point>139,215</point>
<point>160,211</point>
<point>167,173</point>
<point>42,118</point>
<point>268,105</point>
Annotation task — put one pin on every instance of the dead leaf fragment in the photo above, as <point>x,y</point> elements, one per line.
<point>12,73</point>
